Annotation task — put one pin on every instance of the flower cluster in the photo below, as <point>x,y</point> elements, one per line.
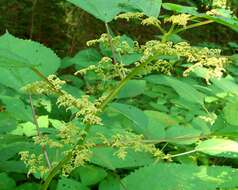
<point>130,15</point>
<point>71,134</point>
<point>121,46</point>
<point>181,19</point>
<point>35,163</point>
<point>79,156</point>
<point>210,59</point>
<point>44,140</point>
<point>151,21</point>
<point>219,3</point>
<point>52,85</point>
<point>87,110</point>
<point>125,141</point>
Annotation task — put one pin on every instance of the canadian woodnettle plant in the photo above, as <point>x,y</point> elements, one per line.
<point>155,108</point>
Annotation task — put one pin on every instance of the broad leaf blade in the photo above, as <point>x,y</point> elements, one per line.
<point>218,146</point>
<point>102,9</point>
<point>181,176</point>
<point>18,56</point>
<point>148,7</point>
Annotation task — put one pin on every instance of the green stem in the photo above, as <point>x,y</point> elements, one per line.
<point>54,171</point>
<point>161,29</point>
<point>123,82</point>
<point>182,154</point>
<point>166,35</point>
<point>39,74</point>
<point>193,26</point>
<point>110,97</point>
<point>112,49</point>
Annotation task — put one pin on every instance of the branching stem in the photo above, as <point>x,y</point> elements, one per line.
<point>43,148</point>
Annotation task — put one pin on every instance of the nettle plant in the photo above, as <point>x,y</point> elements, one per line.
<point>159,115</point>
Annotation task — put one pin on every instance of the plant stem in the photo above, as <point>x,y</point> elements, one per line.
<point>166,35</point>
<point>184,153</point>
<point>105,102</point>
<point>193,26</point>
<point>111,44</point>
<point>122,83</point>
<point>161,29</point>
<point>43,148</point>
<point>54,171</point>
<point>113,49</point>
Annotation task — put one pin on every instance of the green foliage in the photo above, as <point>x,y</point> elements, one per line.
<point>23,56</point>
<point>122,114</point>
<point>181,176</point>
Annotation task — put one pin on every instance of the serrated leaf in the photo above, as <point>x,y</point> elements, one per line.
<point>180,8</point>
<point>148,7</point>
<point>102,9</point>
<point>181,176</point>
<point>18,56</point>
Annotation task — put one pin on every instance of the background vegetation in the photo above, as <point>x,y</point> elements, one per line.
<point>146,100</point>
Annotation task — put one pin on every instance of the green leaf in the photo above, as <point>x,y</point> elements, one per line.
<point>180,8</point>
<point>11,60</point>
<point>149,7</point>
<point>16,108</point>
<point>132,113</point>
<point>231,112</point>
<point>6,183</point>
<point>155,129</point>
<point>132,88</point>
<point>86,58</point>
<point>217,146</point>
<point>29,129</point>
<point>226,21</point>
<point>227,84</point>
<point>184,90</point>
<point>90,175</point>
<point>182,135</point>
<point>7,123</point>
<point>105,157</point>
<point>110,183</point>
<point>128,59</point>
<point>13,166</point>
<point>181,176</point>
<point>70,184</point>
<point>102,9</point>
<point>10,150</point>
<point>17,56</point>
<point>28,186</point>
